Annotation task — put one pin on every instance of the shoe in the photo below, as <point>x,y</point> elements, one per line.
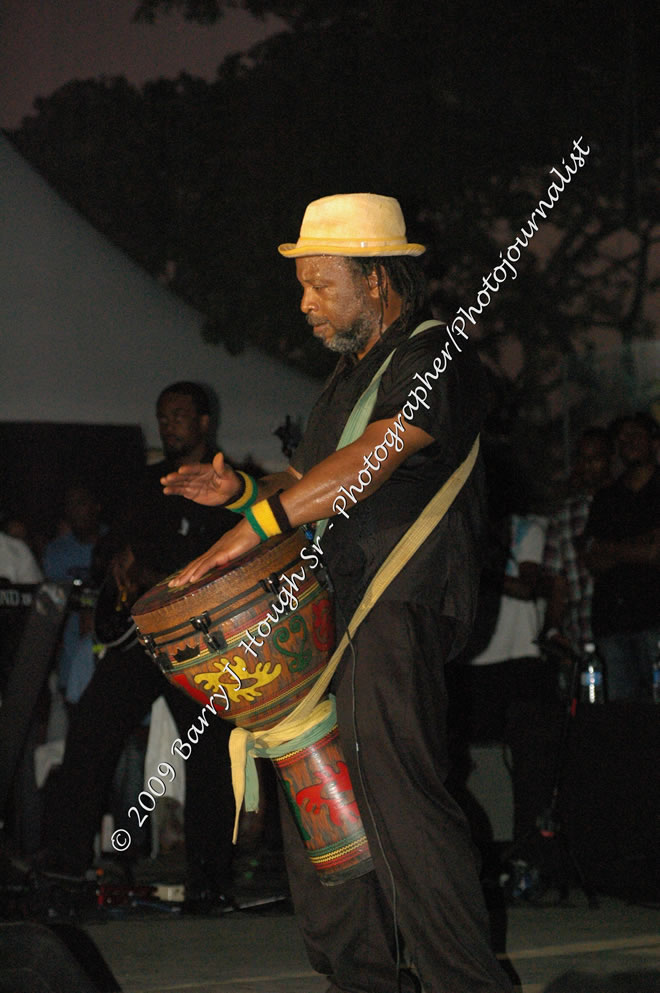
<point>207,888</point>
<point>207,903</point>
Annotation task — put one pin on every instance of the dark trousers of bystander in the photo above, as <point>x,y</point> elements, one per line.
<point>484,693</point>
<point>391,701</point>
<point>117,699</point>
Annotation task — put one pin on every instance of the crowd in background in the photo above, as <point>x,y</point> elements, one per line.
<point>586,573</point>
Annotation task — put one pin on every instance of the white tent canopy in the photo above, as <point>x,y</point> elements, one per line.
<point>88,337</point>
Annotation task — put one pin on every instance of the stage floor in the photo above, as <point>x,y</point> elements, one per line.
<point>151,947</point>
<point>260,951</point>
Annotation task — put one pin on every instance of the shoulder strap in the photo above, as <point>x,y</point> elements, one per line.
<point>310,710</point>
<point>359,416</point>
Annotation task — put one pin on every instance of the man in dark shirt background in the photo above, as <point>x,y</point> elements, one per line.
<point>157,536</point>
<point>623,553</point>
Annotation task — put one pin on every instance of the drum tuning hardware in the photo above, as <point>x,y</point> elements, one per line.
<point>215,642</point>
<point>271,584</point>
<point>323,577</point>
<point>150,645</point>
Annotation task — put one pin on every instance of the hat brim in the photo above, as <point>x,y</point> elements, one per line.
<point>302,248</point>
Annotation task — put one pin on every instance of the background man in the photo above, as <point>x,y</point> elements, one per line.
<point>511,668</point>
<point>66,558</point>
<point>159,536</point>
<point>363,295</point>
<point>623,553</point>
<point>568,613</point>
<point>17,562</point>
<point>18,566</point>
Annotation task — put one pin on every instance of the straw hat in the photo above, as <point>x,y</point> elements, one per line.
<point>362,224</point>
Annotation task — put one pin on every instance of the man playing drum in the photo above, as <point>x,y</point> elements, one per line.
<point>419,917</point>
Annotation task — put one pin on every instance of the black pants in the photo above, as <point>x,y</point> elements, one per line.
<point>122,689</point>
<point>488,691</point>
<point>425,886</point>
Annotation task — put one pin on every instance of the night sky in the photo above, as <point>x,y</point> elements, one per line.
<point>46,43</point>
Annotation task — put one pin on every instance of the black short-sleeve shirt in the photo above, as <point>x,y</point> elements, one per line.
<point>443,573</point>
<point>167,532</point>
<point>627,597</point>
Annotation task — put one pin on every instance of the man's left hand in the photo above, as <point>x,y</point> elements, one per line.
<point>232,545</point>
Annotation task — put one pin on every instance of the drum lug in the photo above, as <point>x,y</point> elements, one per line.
<point>271,584</point>
<point>149,643</point>
<point>215,642</point>
<point>323,578</point>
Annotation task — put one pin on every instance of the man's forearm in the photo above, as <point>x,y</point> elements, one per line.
<point>267,485</point>
<point>603,555</point>
<point>557,601</point>
<point>355,469</point>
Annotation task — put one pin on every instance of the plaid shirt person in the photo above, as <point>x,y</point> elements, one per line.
<point>560,558</point>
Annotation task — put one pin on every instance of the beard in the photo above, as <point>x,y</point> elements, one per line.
<point>177,449</point>
<point>355,337</point>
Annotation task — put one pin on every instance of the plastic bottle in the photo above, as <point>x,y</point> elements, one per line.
<point>592,689</point>
<point>655,685</point>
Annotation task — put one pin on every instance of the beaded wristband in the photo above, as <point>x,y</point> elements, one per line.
<point>248,494</point>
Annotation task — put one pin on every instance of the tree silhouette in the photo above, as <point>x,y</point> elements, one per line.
<point>459,110</point>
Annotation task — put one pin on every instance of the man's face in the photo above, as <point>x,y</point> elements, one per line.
<point>593,463</point>
<point>634,444</point>
<point>338,303</point>
<point>182,428</point>
<point>81,511</point>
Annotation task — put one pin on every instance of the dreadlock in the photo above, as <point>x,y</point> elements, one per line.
<point>404,274</point>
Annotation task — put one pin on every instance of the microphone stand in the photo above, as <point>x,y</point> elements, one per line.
<point>549,825</point>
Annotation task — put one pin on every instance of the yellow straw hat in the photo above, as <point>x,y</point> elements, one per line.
<point>356,224</point>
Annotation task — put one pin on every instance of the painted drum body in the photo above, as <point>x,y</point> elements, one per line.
<point>254,635</point>
<point>320,796</point>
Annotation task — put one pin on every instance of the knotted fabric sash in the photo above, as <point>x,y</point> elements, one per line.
<point>244,745</point>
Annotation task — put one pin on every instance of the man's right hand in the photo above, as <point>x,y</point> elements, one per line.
<point>209,484</point>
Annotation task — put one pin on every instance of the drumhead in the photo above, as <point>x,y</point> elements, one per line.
<point>254,561</point>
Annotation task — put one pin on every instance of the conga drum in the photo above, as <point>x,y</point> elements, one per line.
<point>255,635</point>
<point>249,640</point>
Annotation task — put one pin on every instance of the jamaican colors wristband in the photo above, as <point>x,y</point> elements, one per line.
<point>248,494</point>
<point>268,517</point>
